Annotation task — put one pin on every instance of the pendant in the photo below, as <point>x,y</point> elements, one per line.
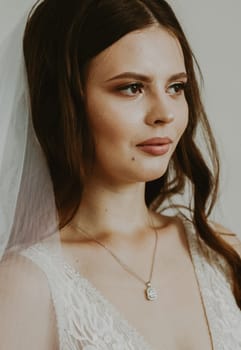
<point>151,293</point>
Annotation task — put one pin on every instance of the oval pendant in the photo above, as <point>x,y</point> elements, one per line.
<point>151,293</point>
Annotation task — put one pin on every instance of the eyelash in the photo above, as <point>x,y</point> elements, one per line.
<point>137,86</point>
<point>180,86</point>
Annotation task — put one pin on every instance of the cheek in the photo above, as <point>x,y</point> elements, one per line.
<point>182,120</point>
<point>106,127</point>
<point>99,117</point>
<point>109,122</point>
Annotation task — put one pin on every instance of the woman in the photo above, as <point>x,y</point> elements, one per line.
<point>115,106</point>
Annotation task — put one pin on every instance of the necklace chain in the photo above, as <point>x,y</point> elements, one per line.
<point>150,292</point>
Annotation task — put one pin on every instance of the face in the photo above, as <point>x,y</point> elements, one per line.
<point>135,102</point>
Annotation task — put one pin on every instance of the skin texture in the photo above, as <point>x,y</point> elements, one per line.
<point>113,208</point>
<point>113,204</point>
<point>124,112</point>
<point>122,119</point>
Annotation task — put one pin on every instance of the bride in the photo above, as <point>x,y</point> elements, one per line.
<point>91,260</point>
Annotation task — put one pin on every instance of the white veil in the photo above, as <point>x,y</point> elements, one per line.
<point>27,206</point>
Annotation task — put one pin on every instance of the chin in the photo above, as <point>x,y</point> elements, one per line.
<point>151,174</point>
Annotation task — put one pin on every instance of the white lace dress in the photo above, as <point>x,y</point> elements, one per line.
<point>87,321</point>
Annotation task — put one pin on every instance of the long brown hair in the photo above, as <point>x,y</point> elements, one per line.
<point>60,39</point>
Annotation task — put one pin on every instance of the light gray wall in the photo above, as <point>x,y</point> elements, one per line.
<point>214,29</point>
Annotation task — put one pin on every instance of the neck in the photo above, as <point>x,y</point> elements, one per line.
<point>113,210</point>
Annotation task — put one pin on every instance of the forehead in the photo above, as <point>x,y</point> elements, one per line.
<point>153,51</point>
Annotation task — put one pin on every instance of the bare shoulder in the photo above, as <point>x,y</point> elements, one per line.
<point>27,316</point>
<point>229,236</point>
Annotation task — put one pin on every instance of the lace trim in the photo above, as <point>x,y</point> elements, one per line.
<point>213,275</point>
<point>74,303</point>
<point>116,334</point>
<point>94,294</point>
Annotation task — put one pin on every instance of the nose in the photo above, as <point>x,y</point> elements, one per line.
<point>159,111</point>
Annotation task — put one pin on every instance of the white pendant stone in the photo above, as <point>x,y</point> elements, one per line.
<point>151,293</point>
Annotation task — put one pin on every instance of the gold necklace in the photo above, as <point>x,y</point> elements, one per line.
<point>150,291</point>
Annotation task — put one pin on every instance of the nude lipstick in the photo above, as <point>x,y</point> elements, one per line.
<point>156,146</point>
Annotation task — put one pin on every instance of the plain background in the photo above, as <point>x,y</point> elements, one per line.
<point>213,28</point>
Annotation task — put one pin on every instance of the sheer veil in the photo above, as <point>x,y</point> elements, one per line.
<point>27,207</point>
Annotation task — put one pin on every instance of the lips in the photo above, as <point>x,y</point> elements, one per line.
<point>156,146</point>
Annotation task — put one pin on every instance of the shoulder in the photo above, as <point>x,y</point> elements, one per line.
<point>27,315</point>
<point>228,236</point>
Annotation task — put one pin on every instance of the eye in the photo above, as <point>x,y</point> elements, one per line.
<point>132,89</point>
<point>176,89</point>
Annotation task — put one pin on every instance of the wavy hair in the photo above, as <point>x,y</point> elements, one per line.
<point>60,40</point>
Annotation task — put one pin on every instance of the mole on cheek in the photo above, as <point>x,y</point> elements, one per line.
<point>133,159</point>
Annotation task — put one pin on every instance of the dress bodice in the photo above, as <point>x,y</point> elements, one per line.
<point>88,321</point>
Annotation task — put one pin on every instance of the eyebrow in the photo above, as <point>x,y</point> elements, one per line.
<point>145,78</point>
